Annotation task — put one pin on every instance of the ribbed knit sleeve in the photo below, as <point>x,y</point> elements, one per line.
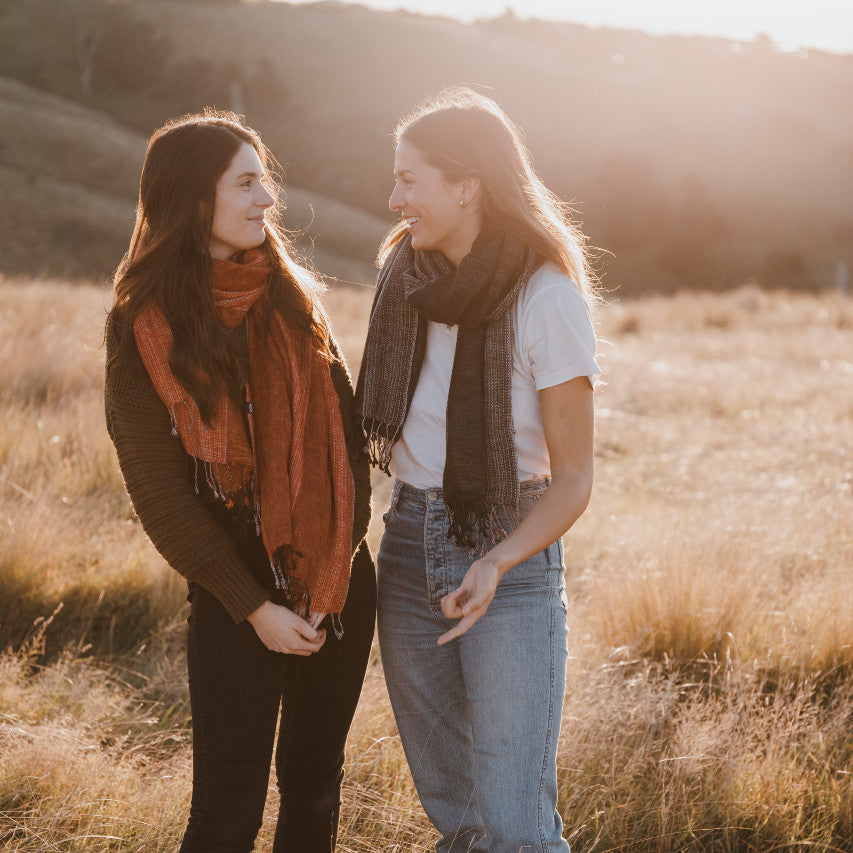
<point>154,466</point>
<point>355,446</point>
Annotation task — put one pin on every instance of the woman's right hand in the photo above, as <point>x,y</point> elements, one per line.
<point>281,630</point>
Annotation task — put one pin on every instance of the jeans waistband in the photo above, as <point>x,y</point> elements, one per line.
<point>424,497</point>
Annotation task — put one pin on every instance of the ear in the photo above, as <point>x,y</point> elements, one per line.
<point>470,189</point>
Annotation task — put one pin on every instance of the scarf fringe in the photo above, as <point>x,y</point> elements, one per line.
<point>173,416</point>
<point>294,588</point>
<point>474,524</point>
<point>241,496</point>
<point>337,625</point>
<point>380,442</point>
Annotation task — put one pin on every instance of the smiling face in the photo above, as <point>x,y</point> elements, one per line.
<point>439,214</point>
<point>242,200</point>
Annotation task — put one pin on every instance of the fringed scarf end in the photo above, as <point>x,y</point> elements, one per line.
<point>337,625</point>
<point>294,588</point>
<point>173,416</point>
<point>380,443</point>
<point>474,524</point>
<point>235,486</point>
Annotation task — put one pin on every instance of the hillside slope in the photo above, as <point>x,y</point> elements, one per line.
<point>694,162</point>
<point>68,180</point>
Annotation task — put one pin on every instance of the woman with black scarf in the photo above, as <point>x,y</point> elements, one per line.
<point>476,389</point>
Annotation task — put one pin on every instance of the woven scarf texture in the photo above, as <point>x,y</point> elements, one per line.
<point>481,469</point>
<point>289,471</point>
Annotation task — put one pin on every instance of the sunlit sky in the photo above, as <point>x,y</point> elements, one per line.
<point>823,24</point>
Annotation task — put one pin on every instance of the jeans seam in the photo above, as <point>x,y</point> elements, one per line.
<point>428,561</point>
<point>549,730</point>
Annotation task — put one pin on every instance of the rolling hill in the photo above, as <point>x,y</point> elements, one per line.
<point>68,179</point>
<point>693,162</point>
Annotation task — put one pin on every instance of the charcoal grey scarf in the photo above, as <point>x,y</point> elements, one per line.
<point>481,470</point>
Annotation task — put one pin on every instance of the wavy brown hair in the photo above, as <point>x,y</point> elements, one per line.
<point>168,261</point>
<point>465,135</point>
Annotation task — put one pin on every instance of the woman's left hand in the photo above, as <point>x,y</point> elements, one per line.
<point>472,598</point>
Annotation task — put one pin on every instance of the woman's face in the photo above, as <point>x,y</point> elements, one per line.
<point>439,214</point>
<point>242,200</point>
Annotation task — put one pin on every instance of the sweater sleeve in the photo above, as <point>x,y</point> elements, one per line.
<point>157,478</point>
<point>359,462</point>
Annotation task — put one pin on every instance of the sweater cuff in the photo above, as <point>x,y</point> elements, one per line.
<point>239,596</point>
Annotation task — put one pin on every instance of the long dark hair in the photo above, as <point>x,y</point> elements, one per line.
<point>465,134</point>
<point>168,260</point>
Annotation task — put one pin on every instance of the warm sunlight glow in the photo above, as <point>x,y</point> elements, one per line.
<point>823,24</point>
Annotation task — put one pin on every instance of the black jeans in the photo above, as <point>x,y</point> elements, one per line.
<point>236,688</point>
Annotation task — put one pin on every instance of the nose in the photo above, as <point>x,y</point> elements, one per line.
<point>395,202</point>
<point>265,198</point>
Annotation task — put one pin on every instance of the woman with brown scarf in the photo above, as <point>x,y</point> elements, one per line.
<point>476,390</point>
<point>232,414</point>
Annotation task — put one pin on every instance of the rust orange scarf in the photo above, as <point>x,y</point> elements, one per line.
<point>292,469</point>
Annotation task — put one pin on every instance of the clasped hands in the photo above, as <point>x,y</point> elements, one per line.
<point>281,630</point>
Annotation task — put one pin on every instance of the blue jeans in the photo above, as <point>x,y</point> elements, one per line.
<point>479,717</point>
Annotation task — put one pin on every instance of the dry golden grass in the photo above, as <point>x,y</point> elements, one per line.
<point>710,699</point>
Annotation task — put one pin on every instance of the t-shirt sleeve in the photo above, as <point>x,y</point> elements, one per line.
<point>556,335</point>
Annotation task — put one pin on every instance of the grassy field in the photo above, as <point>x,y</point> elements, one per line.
<point>710,698</point>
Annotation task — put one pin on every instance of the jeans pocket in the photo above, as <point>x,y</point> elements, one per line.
<point>562,597</point>
<point>530,491</point>
<point>392,506</point>
<point>532,572</point>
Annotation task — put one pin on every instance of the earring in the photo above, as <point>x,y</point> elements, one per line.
<point>461,202</point>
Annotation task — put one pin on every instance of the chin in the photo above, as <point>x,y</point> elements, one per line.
<point>419,244</point>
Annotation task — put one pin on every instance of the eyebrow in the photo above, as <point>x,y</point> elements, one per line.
<point>400,172</point>
<point>246,175</point>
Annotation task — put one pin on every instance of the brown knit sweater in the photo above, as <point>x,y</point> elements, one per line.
<point>195,533</point>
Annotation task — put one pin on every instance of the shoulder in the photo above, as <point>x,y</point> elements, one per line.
<point>126,381</point>
<point>550,280</point>
<point>555,337</point>
<point>548,291</point>
<point>341,378</point>
<point>118,334</point>
<point>113,326</point>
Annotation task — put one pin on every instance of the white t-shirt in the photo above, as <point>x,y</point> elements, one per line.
<point>554,342</point>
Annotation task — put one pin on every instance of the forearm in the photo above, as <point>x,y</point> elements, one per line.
<point>563,502</point>
<point>567,418</point>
